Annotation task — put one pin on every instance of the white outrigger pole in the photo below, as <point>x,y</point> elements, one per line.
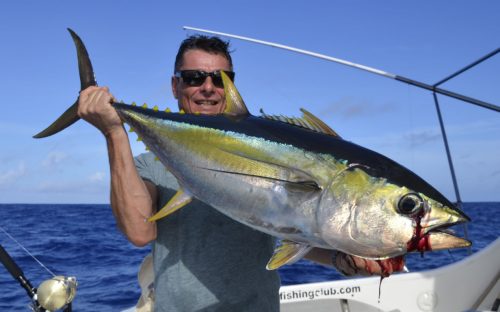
<point>434,88</point>
<point>419,84</point>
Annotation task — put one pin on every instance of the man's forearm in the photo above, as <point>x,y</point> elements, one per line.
<point>130,199</point>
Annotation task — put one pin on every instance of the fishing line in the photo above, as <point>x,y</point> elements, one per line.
<point>29,253</point>
<point>412,126</point>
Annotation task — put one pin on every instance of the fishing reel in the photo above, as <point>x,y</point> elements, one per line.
<point>56,293</point>
<point>53,294</point>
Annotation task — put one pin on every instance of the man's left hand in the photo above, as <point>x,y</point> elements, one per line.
<point>352,265</point>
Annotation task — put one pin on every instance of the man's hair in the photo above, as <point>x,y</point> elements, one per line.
<point>213,45</point>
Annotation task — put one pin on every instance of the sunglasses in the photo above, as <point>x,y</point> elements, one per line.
<point>195,78</point>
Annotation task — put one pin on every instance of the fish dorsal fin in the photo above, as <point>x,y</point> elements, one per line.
<point>287,253</point>
<point>235,106</point>
<point>308,121</point>
<point>324,128</point>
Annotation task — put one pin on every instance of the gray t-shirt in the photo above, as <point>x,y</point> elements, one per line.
<point>205,261</point>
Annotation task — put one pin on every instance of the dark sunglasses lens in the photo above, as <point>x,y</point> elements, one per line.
<point>230,74</point>
<point>194,81</point>
<point>193,78</point>
<point>217,80</point>
<point>197,78</point>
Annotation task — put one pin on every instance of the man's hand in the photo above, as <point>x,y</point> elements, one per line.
<point>352,265</point>
<point>94,106</point>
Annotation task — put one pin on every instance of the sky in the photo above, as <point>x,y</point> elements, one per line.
<point>133,44</point>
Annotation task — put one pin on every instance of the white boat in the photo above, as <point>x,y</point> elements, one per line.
<point>471,284</point>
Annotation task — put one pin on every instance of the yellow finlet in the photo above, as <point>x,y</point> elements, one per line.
<point>147,148</point>
<point>144,105</point>
<point>167,110</point>
<point>182,111</point>
<point>155,108</point>
<point>180,199</point>
<point>131,130</point>
<point>287,253</point>
<point>134,104</point>
<point>197,113</point>
<point>139,139</point>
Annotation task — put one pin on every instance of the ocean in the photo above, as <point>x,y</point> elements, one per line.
<point>83,241</point>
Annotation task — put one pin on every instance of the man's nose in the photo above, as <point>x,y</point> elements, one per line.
<point>208,85</point>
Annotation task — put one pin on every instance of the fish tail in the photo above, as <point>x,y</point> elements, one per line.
<point>87,79</point>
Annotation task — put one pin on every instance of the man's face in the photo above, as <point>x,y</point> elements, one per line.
<point>205,99</point>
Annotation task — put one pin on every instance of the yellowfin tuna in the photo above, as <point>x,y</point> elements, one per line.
<point>293,178</point>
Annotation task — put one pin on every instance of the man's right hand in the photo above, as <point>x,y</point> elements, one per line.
<point>94,106</point>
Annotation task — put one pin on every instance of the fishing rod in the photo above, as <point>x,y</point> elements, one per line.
<point>17,273</point>
<point>52,294</point>
<point>372,70</point>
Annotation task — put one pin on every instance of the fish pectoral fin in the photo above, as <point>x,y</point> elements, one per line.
<point>287,253</point>
<point>294,178</point>
<point>180,199</point>
<point>299,185</point>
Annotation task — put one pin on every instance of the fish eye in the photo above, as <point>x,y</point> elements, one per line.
<point>410,204</point>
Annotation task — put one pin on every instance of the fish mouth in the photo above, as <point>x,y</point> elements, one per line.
<point>437,239</point>
<point>441,239</point>
<point>432,230</point>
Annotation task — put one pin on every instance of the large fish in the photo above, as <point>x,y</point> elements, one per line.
<point>293,178</point>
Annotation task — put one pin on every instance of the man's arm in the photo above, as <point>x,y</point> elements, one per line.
<point>132,199</point>
<point>352,265</point>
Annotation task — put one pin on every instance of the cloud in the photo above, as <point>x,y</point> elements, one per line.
<point>81,187</point>
<point>418,138</point>
<point>350,107</point>
<point>54,159</point>
<point>94,183</point>
<point>6,178</point>
<point>97,177</point>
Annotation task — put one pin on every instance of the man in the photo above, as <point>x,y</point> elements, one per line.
<point>203,260</point>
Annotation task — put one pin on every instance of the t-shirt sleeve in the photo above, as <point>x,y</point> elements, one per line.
<point>152,170</point>
<point>145,169</point>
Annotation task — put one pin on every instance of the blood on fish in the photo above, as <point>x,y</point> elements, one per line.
<point>418,241</point>
<point>380,287</point>
<point>387,266</point>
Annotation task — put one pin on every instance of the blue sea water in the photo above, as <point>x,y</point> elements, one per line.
<point>83,241</point>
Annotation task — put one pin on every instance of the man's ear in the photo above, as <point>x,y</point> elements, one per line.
<point>174,83</point>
